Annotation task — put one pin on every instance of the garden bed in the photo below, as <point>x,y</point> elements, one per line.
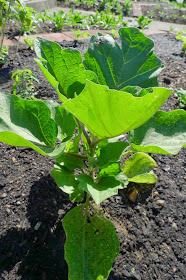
<point>151,230</point>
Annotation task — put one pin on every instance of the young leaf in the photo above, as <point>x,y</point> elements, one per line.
<point>64,178</point>
<point>110,153</point>
<point>109,113</point>
<point>106,187</point>
<point>69,161</point>
<point>91,245</point>
<point>111,170</point>
<point>164,133</point>
<point>64,65</point>
<point>138,168</point>
<point>134,64</point>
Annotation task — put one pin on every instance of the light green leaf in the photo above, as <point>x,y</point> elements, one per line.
<point>54,83</point>
<point>109,113</point>
<point>111,170</point>
<point>138,168</point>
<point>91,245</point>
<point>164,133</point>
<point>135,64</point>
<point>105,188</point>
<point>65,66</point>
<point>28,123</point>
<point>111,152</point>
<point>64,178</point>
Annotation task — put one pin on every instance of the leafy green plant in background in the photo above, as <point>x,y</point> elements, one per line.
<point>79,34</point>
<point>111,92</point>
<point>181,95</point>
<point>3,55</point>
<point>26,17</point>
<point>6,12</point>
<point>143,22</point>
<point>181,35</point>
<point>29,42</point>
<point>23,85</point>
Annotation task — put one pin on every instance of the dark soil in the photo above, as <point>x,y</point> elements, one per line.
<point>151,230</point>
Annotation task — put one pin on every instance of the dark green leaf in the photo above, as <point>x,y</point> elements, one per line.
<point>111,153</point>
<point>91,245</point>
<point>134,64</point>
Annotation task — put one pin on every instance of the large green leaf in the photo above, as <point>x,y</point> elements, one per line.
<point>164,133</point>
<point>91,245</point>
<point>134,64</point>
<point>109,113</point>
<point>106,187</point>
<point>28,124</point>
<point>138,168</point>
<point>65,66</point>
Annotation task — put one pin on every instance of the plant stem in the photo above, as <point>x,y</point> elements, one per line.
<point>78,155</point>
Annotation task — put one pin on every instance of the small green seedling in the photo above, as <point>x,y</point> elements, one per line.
<point>112,92</point>
<point>181,95</point>
<point>29,42</point>
<point>79,34</point>
<point>3,55</point>
<point>114,33</point>
<point>143,22</point>
<point>23,85</point>
<point>181,35</point>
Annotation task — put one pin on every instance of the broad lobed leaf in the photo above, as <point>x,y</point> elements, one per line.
<point>134,64</point>
<point>109,113</point>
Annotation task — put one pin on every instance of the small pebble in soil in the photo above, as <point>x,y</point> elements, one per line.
<point>174,226</point>
<point>3,195</point>
<point>160,202</point>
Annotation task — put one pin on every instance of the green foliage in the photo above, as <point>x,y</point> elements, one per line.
<point>26,17</point>
<point>30,43</point>
<point>181,95</point>
<point>142,68</point>
<point>181,35</point>
<point>90,238</point>
<point>78,34</point>
<point>3,54</point>
<point>23,85</point>
<point>108,94</point>
<point>6,12</point>
<point>143,22</point>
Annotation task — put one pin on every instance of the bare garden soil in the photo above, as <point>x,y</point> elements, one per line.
<point>151,229</point>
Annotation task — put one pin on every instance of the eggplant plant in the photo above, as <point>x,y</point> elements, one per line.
<point>113,91</point>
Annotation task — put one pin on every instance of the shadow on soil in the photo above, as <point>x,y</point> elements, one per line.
<point>38,254</point>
